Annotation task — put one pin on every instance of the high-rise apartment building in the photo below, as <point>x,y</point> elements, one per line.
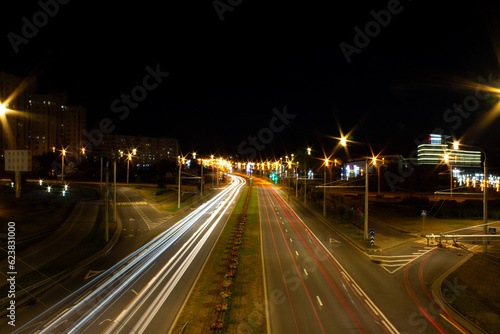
<point>146,151</point>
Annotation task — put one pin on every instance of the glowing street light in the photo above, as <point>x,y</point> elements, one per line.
<point>62,171</point>
<point>446,159</point>
<point>324,188</point>
<point>3,109</point>
<point>129,158</point>
<point>343,141</point>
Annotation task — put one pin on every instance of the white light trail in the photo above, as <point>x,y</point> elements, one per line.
<point>99,295</point>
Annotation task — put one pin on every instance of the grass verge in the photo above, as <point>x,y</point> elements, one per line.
<point>246,313</point>
<point>476,294</point>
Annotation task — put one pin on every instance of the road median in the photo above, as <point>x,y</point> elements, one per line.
<point>228,294</point>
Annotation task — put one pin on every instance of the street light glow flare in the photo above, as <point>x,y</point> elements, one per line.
<point>3,109</point>
<point>343,141</point>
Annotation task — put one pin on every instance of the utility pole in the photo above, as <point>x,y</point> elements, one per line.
<point>101,173</point>
<point>365,232</point>
<point>179,190</point>
<point>114,192</point>
<point>296,183</point>
<point>485,206</point>
<point>324,188</point>
<point>305,185</point>
<point>201,178</point>
<point>106,196</point>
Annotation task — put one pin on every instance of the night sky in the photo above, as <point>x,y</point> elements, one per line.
<point>226,76</point>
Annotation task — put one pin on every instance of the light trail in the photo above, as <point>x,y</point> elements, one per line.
<point>82,309</point>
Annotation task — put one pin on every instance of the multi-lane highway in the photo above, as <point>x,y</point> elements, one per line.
<point>318,282</point>
<point>144,291</point>
<point>313,293</point>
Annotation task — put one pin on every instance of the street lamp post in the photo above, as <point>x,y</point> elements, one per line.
<point>324,188</point>
<point>181,161</point>
<point>62,170</point>
<point>296,174</point>
<point>201,175</point>
<point>128,168</point>
<point>485,194</point>
<point>485,205</point>
<point>365,232</point>
<point>305,183</point>
<point>343,142</point>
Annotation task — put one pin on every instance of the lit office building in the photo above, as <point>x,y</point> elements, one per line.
<point>438,150</point>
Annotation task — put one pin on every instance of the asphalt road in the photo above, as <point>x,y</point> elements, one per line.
<point>312,292</point>
<point>144,291</point>
<point>357,293</point>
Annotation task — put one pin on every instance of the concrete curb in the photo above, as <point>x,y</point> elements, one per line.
<point>345,236</point>
<point>438,297</point>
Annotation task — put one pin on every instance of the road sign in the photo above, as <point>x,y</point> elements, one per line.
<point>18,160</point>
<point>492,230</point>
<point>423,213</point>
<point>372,240</point>
<point>372,232</point>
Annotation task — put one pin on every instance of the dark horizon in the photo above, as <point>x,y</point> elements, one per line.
<point>226,77</point>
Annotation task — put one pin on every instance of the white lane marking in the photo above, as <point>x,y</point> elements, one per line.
<point>389,327</point>
<point>305,272</point>
<point>297,253</point>
<point>372,306</point>
<point>319,301</point>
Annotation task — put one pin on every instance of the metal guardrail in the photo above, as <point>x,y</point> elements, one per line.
<point>455,237</point>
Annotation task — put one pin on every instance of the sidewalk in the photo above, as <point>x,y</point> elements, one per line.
<point>385,237</point>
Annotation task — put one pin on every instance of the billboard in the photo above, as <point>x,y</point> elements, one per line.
<point>18,160</point>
